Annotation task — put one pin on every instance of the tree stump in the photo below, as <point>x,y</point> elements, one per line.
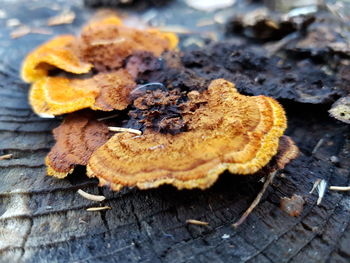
<point>43,219</point>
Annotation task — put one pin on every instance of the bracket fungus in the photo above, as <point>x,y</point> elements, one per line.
<point>229,131</point>
<point>70,73</point>
<point>104,91</point>
<point>76,139</point>
<point>189,128</point>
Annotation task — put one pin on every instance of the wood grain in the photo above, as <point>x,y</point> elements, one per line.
<point>43,219</point>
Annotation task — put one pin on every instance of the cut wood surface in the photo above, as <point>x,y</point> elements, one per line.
<point>43,219</point>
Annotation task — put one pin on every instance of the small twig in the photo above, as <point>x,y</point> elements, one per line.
<point>257,199</point>
<point>196,222</point>
<point>107,42</point>
<point>6,156</point>
<point>97,198</point>
<point>108,117</point>
<point>67,17</point>
<point>339,188</point>
<point>120,129</point>
<point>100,208</point>
<point>318,145</point>
<point>157,146</point>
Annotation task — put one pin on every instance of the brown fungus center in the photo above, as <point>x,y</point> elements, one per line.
<point>160,109</point>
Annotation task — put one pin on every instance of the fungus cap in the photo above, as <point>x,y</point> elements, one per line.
<point>229,132</point>
<point>56,53</point>
<point>59,95</point>
<point>103,45</point>
<point>76,139</point>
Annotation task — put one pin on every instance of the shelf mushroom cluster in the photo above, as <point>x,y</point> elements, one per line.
<point>189,136</point>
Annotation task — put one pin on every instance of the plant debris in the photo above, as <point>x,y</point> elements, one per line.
<point>339,188</point>
<point>66,17</point>
<point>341,110</point>
<point>320,185</point>
<point>292,206</point>
<point>99,208</point>
<point>97,198</point>
<point>120,129</point>
<point>6,156</point>
<point>196,222</point>
<point>256,201</point>
<point>256,73</point>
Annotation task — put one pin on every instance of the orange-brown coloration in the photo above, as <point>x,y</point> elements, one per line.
<point>230,132</point>
<point>103,45</point>
<point>59,95</point>
<point>106,45</point>
<point>287,151</point>
<point>76,139</point>
<point>115,88</point>
<point>56,53</point>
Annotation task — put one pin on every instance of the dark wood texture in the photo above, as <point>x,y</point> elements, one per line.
<point>44,220</point>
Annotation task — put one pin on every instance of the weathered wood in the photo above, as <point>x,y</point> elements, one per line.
<point>44,220</point>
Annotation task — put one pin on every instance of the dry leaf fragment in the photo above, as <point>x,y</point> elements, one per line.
<point>320,185</point>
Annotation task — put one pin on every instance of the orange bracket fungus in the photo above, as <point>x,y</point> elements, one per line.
<point>70,73</point>
<point>224,131</point>
<point>104,91</point>
<point>168,125</point>
<point>76,139</point>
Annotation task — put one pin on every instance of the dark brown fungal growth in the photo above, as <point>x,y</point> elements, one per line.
<point>141,62</point>
<point>159,109</point>
<point>323,39</point>
<point>292,206</point>
<point>257,73</point>
<point>76,139</point>
<point>265,25</point>
<point>287,151</point>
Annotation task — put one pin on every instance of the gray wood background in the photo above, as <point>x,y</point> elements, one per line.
<point>43,219</point>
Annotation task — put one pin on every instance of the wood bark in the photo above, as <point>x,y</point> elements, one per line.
<point>43,219</point>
